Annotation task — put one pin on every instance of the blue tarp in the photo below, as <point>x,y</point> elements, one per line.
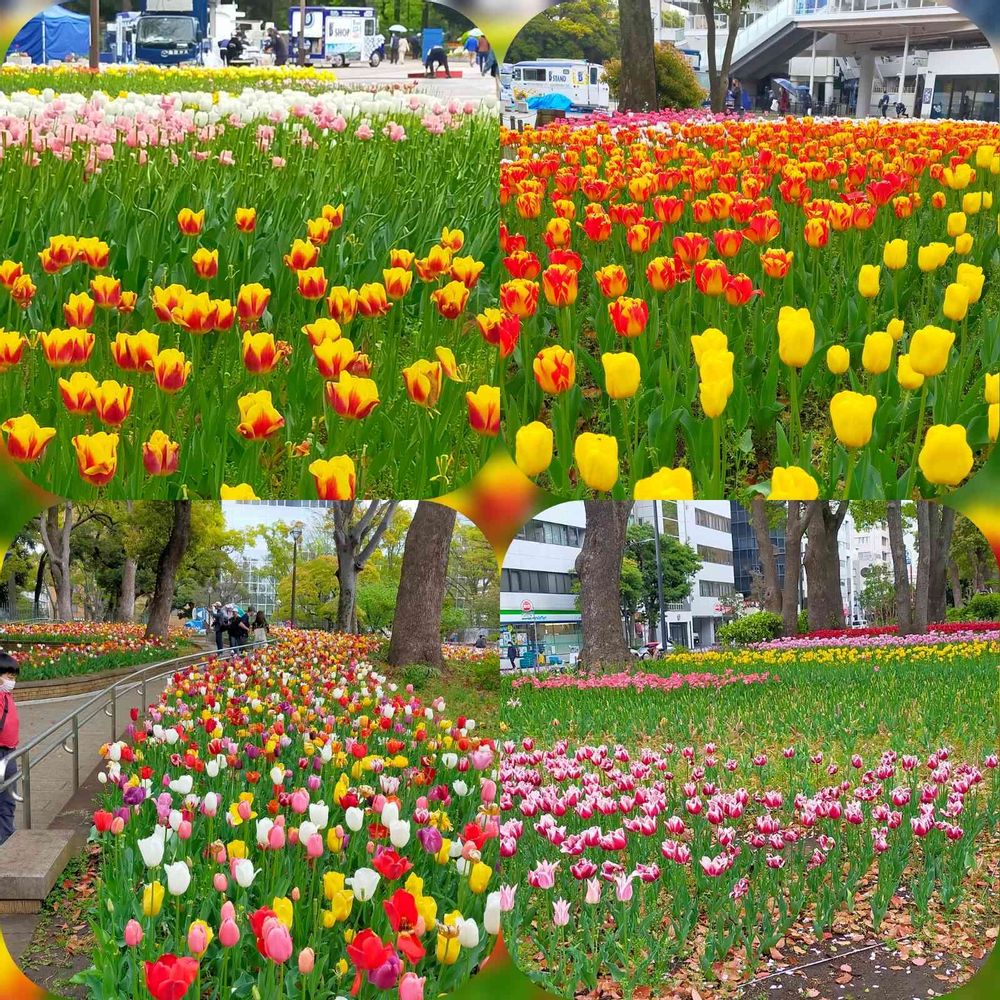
<point>559,102</point>
<point>54,34</point>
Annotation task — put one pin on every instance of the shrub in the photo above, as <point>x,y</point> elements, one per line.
<point>676,83</point>
<point>803,624</point>
<point>983,608</point>
<point>759,627</point>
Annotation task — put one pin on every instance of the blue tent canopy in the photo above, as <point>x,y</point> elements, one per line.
<point>54,34</point>
<point>558,102</point>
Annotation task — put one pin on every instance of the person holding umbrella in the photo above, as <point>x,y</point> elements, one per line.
<point>397,43</point>
<point>471,48</point>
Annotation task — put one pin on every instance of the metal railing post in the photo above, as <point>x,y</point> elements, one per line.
<point>114,714</point>
<point>26,784</point>
<point>76,754</point>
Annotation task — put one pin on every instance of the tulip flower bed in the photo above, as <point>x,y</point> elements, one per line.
<point>170,316</point>
<point>696,305</point>
<point>43,662</point>
<point>685,837</point>
<point>291,823</point>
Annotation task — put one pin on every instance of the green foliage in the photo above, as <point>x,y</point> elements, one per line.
<point>759,627</point>
<point>453,618</point>
<point>473,583</point>
<point>376,605</point>
<point>632,589</point>
<point>678,563</point>
<point>316,592</point>
<point>878,595</point>
<point>676,83</point>
<point>978,608</point>
<point>580,29</point>
<point>803,621</point>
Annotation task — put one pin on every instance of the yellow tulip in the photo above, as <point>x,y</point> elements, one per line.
<point>596,457</point>
<point>984,156</point>
<point>838,359</point>
<point>972,276</point>
<point>992,392</point>
<point>796,336</point>
<point>710,340</point>
<point>956,302</point>
<point>283,910</point>
<point>929,347</point>
<point>933,256</point>
<point>665,484</point>
<point>713,397</point>
<point>717,366</point>
<point>244,491</point>
<point>868,278</point>
<point>877,354</point>
<point>975,201</point>
<point>957,177</point>
<point>963,244</point>
<point>993,420</point>
<point>621,374</point>
<point>894,254</point>
<point>792,483</point>
<point>945,458</point>
<point>852,415</point>
<point>479,877</point>
<point>152,899</point>
<point>957,222</point>
<point>895,329</point>
<point>905,375</point>
<point>533,448</point>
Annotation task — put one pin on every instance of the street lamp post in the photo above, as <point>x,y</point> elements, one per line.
<point>659,575</point>
<point>296,534</point>
<point>302,47</point>
<point>95,34</point>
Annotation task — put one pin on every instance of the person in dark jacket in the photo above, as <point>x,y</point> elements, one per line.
<point>278,46</point>
<point>239,629</point>
<point>220,625</point>
<point>9,735</point>
<point>512,654</point>
<point>437,57</point>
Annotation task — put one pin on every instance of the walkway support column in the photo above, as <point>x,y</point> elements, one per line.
<point>866,77</point>
<point>812,64</point>
<point>902,69</point>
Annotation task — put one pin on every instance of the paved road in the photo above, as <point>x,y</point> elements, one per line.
<point>470,86</point>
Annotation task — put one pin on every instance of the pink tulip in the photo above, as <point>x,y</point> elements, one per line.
<point>197,939</point>
<point>560,913</point>
<point>133,934</point>
<point>307,961</point>
<point>276,838</point>
<point>593,896</point>
<point>299,801</point>
<point>277,941</point>
<point>314,848</point>
<point>411,987</point>
<point>184,830</point>
<point>229,934</point>
<point>244,809</point>
<point>220,882</point>
<point>228,911</point>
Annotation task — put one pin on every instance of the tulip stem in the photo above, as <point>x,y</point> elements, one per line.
<point>793,392</point>
<point>912,474</point>
<point>717,455</point>
<point>852,461</point>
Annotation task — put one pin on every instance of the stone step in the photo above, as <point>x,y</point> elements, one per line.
<point>30,863</point>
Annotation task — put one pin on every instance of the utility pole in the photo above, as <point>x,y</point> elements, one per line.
<point>302,43</point>
<point>95,34</point>
<point>296,535</point>
<point>659,576</point>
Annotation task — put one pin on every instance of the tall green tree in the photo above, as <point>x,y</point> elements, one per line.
<point>316,593</point>
<point>576,29</point>
<point>679,564</point>
<point>637,91</point>
<point>718,73</point>
<point>473,581</point>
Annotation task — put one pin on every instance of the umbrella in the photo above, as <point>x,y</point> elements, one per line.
<point>398,27</point>
<point>473,33</point>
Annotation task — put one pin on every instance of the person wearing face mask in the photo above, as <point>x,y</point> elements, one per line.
<point>9,733</point>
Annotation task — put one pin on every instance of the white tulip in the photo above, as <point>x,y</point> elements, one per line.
<point>399,833</point>
<point>244,873</point>
<point>319,814</point>
<point>306,830</point>
<point>263,829</point>
<point>449,760</point>
<point>212,768</point>
<point>364,884</point>
<point>277,775</point>
<point>151,847</point>
<point>461,789</point>
<point>178,878</point>
<point>170,736</point>
<point>210,804</point>
<point>390,813</point>
<point>354,818</point>
<point>464,866</point>
<point>491,915</point>
<point>468,933</point>
<point>174,819</point>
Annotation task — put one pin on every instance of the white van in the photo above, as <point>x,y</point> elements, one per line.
<point>582,82</point>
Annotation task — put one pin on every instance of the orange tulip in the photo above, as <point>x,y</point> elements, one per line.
<point>641,236</point>
<point>62,251</point>
<point>628,316</point>
<point>555,369</point>
<point>334,214</point>
<point>450,299</point>
<point>166,300</point>
<point>351,396</point>
<point>22,291</point>
<point>453,239</point>
<point>448,363</point>
<point>661,273</point>
<point>372,300</point>
<point>558,233</point>
<point>127,301</point>
<point>112,401</point>
<point>763,228</point>
<point>436,263</point>
<point>26,441</point>
<point>334,356</point>
<point>467,270</point>
<point>246,219</point>
<point>302,256</point>
<point>171,370</point>
<point>423,382</point>
<point>67,347</point>
<point>205,262</point>
<point>258,417</point>
<point>312,283</point>
<point>484,410</point>
<point>160,455</point>
<point>189,222</point>
<point>135,351</point>
<point>342,303</point>
<point>400,257</point>
<point>10,271</point>
<point>11,348</point>
<point>196,313</point>
<point>318,231</point>
<point>727,242</point>
<point>225,315</point>
<point>80,310</point>
<point>93,252</point>
<point>776,263</point>
<point>691,247</point>
<point>260,353</point>
<point>335,478</point>
<point>560,284</point>
<point>710,277</point>
<point>77,392</point>
<point>500,329</point>
<point>107,291</point>
<point>397,282</point>
<point>251,303</point>
<point>322,329</point>
<point>96,457</point>
<point>49,264</point>
<point>361,365</point>
<point>612,280</point>
<point>519,297</point>
<point>817,233</point>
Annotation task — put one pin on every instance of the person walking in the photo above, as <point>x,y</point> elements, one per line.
<point>404,49</point>
<point>437,57</point>
<point>482,47</point>
<point>260,629</point>
<point>239,628</point>
<point>10,731</point>
<point>279,47</point>
<point>883,105</point>
<point>737,96</point>
<point>219,624</point>
<point>513,653</point>
<point>471,48</point>
<point>394,49</point>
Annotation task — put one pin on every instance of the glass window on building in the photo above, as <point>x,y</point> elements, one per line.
<point>669,518</point>
<point>708,519</point>
<point>710,554</point>
<point>972,97</point>
<point>714,588</point>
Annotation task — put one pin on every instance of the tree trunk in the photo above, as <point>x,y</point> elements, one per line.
<point>900,571</point>
<point>355,541</point>
<point>56,542</point>
<point>39,584</point>
<point>347,575</point>
<point>126,594</point>
<point>416,623</point>
<point>715,95</point>
<point>768,557</point>
<point>166,571</point>
<point>822,565</point>
<point>727,56</point>
<point>797,522</point>
<point>955,582</point>
<point>638,76</point>
<point>935,523</point>
<point>599,567</point>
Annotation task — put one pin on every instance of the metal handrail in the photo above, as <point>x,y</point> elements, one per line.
<point>106,701</point>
